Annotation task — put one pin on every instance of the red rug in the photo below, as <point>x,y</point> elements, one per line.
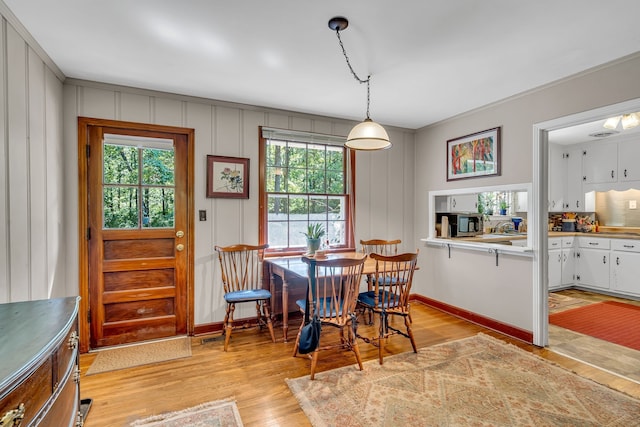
<point>611,321</point>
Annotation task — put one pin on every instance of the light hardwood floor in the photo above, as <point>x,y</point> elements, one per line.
<point>254,369</point>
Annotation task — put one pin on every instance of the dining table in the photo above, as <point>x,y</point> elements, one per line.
<point>292,269</point>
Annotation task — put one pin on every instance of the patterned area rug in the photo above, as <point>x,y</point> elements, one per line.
<point>477,381</point>
<point>140,354</point>
<point>220,413</point>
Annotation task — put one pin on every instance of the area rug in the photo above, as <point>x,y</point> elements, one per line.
<point>140,354</point>
<point>611,321</point>
<point>476,381</point>
<point>219,413</point>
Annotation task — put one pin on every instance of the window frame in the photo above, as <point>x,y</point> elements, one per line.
<point>350,166</point>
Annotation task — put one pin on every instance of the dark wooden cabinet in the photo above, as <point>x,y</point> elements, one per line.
<point>39,375</point>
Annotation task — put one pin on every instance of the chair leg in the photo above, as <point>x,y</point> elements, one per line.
<point>382,331</point>
<point>228,325</point>
<point>353,341</point>
<point>295,347</point>
<point>314,363</point>
<point>407,322</point>
<point>267,314</point>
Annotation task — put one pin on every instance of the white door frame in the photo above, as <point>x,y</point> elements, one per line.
<point>540,205</point>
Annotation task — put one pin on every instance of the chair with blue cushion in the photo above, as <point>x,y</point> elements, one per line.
<point>336,282</point>
<point>242,277</point>
<point>390,296</point>
<point>382,247</point>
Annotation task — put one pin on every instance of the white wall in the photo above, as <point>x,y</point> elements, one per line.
<point>32,237</point>
<point>384,180</point>
<point>442,279</point>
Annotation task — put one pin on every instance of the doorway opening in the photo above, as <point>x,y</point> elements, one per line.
<point>564,127</point>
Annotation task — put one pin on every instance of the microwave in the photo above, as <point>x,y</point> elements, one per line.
<point>464,225</point>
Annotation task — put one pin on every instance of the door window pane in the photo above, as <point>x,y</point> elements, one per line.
<point>158,211</point>
<point>120,207</point>
<point>158,167</point>
<point>120,164</point>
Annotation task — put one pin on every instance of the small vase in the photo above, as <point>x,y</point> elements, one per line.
<point>503,211</point>
<point>312,246</point>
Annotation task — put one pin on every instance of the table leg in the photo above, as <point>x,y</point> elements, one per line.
<point>272,289</point>
<point>285,307</point>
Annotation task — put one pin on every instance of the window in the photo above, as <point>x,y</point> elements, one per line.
<point>496,202</point>
<point>304,180</point>
<point>138,183</point>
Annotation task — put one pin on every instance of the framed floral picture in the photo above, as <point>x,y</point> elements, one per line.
<point>227,177</point>
<point>474,155</point>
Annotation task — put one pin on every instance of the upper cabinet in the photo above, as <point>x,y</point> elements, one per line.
<point>565,179</point>
<point>574,199</point>
<point>521,201</point>
<point>557,177</point>
<point>457,203</point>
<point>600,163</point>
<point>628,161</point>
<point>577,171</point>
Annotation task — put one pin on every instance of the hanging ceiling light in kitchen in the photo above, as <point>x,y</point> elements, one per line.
<point>628,121</point>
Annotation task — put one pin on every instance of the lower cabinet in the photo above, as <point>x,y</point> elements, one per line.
<point>625,266</point>
<point>593,262</point>
<point>562,266</point>
<point>597,263</point>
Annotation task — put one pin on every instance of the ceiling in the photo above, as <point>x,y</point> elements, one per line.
<point>429,60</point>
<point>591,131</point>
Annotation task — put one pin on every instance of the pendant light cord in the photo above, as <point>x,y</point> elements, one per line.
<point>355,76</point>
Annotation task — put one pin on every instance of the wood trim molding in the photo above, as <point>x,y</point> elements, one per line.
<point>512,331</point>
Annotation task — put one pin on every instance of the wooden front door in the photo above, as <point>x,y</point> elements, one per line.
<point>139,232</point>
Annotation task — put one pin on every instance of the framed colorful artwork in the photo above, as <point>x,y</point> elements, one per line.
<point>227,177</point>
<point>475,155</point>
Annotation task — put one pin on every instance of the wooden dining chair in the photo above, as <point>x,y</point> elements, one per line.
<point>333,292</point>
<point>390,296</point>
<point>382,247</point>
<point>242,277</point>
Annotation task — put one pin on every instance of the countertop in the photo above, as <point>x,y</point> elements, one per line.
<point>632,233</point>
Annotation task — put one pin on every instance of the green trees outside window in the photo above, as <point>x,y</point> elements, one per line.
<point>305,183</point>
<point>138,187</point>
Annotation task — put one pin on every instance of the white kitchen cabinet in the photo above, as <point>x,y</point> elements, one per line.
<point>574,199</point>
<point>625,266</point>
<point>457,203</point>
<point>593,260</point>
<point>555,263</point>
<point>521,201</point>
<point>600,163</point>
<point>561,263</point>
<point>557,177</point>
<point>568,261</point>
<point>628,156</point>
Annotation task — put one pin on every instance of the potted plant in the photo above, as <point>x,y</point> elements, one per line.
<point>314,234</point>
<point>503,207</point>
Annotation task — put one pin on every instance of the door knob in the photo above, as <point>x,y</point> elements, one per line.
<point>179,233</point>
<point>180,247</point>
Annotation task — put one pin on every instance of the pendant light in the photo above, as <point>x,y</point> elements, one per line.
<point>367,135</point>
